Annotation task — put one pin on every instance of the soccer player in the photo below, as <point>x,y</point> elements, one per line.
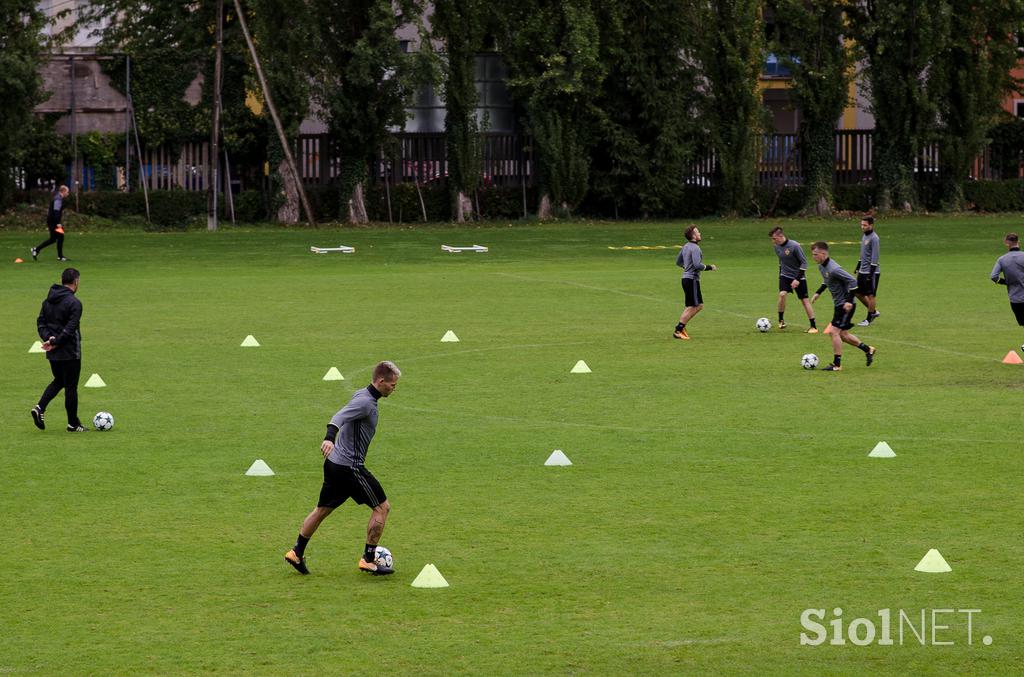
<point>57,325</point>
<point>344,449</point>
<point>55,223</point>
<point>843,287</point>
<point>867,269</point>
<point>792,275</point>
<point>690,260</point>
<point>1011,266</point>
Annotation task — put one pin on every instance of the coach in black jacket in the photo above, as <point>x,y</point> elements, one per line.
<point>58,328</point>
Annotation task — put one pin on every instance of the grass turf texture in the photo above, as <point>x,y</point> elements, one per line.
<point>717,490</point>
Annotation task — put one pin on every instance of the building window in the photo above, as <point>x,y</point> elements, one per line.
<point>1018,108</point>
<point>494,110</point>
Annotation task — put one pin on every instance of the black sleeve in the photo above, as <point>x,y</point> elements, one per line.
<point>332,433</point>
<point>821,289</point>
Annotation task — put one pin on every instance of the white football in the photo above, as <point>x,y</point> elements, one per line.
<point>103,421</point>
<point>809,361</point>
<point>382,557</point>
<point>764,324</point>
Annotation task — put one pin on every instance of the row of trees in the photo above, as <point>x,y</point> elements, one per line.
<point>619,97</point>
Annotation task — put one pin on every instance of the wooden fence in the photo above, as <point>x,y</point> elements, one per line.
<point>507,160</point>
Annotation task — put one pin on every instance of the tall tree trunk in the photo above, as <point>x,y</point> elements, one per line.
<point>289,210</point>
<point>544,208</point>
<point>357,206</point>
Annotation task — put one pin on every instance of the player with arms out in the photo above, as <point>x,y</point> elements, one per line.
<point>792,275</point>
<point>691,261</point>
<point>345,476</point>
<point>843,287</point>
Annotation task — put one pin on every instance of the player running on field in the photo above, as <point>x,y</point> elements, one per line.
<point>792,276</point>
<point>843,287</point>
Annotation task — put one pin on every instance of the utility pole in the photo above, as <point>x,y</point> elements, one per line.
<point>213,179</point>
<point>273,114</point>
<point>127,123</point>
<point>74,132</point>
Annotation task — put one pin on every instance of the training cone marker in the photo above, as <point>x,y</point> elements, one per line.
<point>259,468</point>
<point>333,375</point>
<point>933,563</point>
<point>557,457</point>
<point>250,342</point>
<point>882,450</point>
<point>18,261</point>
<point>580,368</point>
<point>430,577</point>
<point>95,382</point>
<point>37,347</point>
<point>1012,358</point>
<point>449,337</point>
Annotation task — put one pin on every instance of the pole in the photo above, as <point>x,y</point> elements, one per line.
<point>138,148</point>
<point>74,132</point>
<point>273,114</point>
<point>127,124</point>
<point>212,180</point>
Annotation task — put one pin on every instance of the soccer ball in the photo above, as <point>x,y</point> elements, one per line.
<point>382,557</point>
<point>764,324</point>
<point>809,361</point>
<point>103,421</point>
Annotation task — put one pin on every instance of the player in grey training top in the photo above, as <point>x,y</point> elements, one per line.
<point>1011,266</point>
<point>843,287</point>
<point>792,275</point>
<point>691,261</point>
<point>868,272</point>
<point>345,476</point>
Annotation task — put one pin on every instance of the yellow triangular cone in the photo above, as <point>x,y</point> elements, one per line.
<point>430,577</point>
<point>95,382</point>
<point>259,468</point>
<point>580,368</point>
<point>1012,358</point>
<point>333,375</point>
<point>933,563</point>
<point>449,337</point>
<point>37,347</point>
<point>882,450</point>
<point>250,342</point>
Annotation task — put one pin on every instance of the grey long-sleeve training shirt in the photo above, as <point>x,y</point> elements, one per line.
<point>868,254</point>
<point>839,282</point>
<point>353,427</point>
<point>792,262</point>
<point>1011,265</point>
<point>690,260</point>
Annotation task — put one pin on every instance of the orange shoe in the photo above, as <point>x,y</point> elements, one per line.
<point>681,334</point>
<point>375,569</point>
<point>298,562</point>
<point>812,330</point>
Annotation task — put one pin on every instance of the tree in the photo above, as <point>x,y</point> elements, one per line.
<point>462,26</point>
<point>729,48</point>
<point>21,87</point>
<point>968,80</point>
<point>364,83</point>
<point>552,49</point>
<point>646,107</point>
<point>899,40</point>
<point>811,41</point>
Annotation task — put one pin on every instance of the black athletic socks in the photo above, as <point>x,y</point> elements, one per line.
<point>780,316</point>
<point>369,553</point>
<point>300,545</point>
<point>680,326</point>
<point>813,324</point>
<point>863,346</point>
<point>837,360</point>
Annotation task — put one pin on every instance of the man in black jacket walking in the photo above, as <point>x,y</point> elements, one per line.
<point>55,222</point>
<point>58,328</point>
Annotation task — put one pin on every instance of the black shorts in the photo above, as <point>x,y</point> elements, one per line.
<point>1018,310</point>
<point>342,482</point>
<point>691,289</point>
<point>843,319</point>
<point>867,283</point>
<point>786,285</point>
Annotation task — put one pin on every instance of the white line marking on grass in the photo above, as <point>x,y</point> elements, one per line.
<point>713,309</point>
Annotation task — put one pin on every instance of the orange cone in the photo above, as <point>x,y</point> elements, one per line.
<point>829,329</point>
<point>18,261</point>
<point>1012,358</point>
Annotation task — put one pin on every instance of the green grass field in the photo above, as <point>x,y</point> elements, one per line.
<point>717,489</point>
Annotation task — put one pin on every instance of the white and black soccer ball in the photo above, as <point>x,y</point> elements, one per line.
<point>103,421</point>
<point>382,557</point>
<point>809,361</point>
<point>764,324</point>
